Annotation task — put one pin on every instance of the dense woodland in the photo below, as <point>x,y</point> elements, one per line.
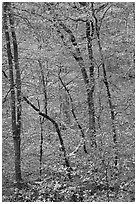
<point>68,76</point>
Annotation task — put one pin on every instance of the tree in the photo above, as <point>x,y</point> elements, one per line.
<point>15,113</point>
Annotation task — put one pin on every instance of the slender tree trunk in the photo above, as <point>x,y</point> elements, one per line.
<point>44,86</point>
<point>41,145</point>
<point>110,104</point>
<point>41,120</point>
<point>107,88</point>
<point>15,113</point>
<point>58,132</point>
<point>89,81</point>
<point>45,108</point>
<point>74,115</point>
<point>90,93</point>
<point>65,108</point>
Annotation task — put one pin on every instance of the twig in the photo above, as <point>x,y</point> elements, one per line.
<point>5,97</point>
<point>77,148</point>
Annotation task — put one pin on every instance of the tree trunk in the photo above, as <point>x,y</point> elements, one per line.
<point>42,118</point>
<point>17,139</point>
<point>90,93</point>
<point>110,105</point>
<point>74,115</point>
<point>16,119</point>
<point>65,108</point>
<point>89,81</point>
<point>58,132</point>
<point>107,88</point>
<point>44,83</point>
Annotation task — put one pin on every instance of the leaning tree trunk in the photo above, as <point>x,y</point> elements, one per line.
<point>15,113</point>
<point>88,80</point>
<point>67,163</point>
<point>74,115</point>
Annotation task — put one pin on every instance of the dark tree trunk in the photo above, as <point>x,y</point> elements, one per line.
<point>58,132</point>
<point>90,97</point>
<point>42,118</point>
<point>110,104</point>
<point>15,113</point>
<point>41,146</point>
<point>88,80</point>
<point>107,88</point>
<point>44,86</point>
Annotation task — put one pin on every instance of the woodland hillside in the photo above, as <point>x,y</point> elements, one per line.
<point>68,87</point>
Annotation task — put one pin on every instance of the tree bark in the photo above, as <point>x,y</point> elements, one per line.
<point>90,97</point>
<point>15,113</point>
